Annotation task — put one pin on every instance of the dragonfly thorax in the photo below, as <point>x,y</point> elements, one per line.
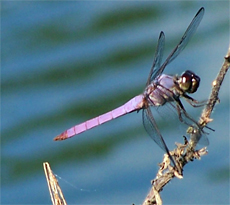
<point>161,90</point>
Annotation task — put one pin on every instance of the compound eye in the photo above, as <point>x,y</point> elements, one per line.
<point>189,82</point>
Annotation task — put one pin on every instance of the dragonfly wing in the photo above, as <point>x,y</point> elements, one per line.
<point>157,58</point>
<point>183,42</point>
<point>153,131</point>
<point>186,119</point>
<point>198,136</point>
<point>189,121</point>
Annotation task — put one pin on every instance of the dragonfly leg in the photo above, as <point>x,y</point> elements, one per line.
<point>181,110</point>
<point>193,102</point>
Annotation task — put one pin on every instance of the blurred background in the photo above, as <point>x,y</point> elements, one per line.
<point>66,62</point>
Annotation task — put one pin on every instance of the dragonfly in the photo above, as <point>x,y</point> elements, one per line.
<point>160,89</point>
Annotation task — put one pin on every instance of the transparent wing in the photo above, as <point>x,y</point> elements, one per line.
<point>157,57</point>
<point>182,44</point>
<point>153,131</point>
<point>184,118</point>
<point>189,121</point>
<point>197,136</point>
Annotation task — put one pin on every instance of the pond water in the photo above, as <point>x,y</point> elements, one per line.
<point>64,62</point>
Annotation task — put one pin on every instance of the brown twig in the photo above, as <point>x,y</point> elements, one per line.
<point>205,116</point>
<point>186,152</point>
<point>56,195</point>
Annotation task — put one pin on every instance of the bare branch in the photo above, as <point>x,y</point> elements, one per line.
<point>186,152</point>
<point>56,195</point>
<point>205,116</point>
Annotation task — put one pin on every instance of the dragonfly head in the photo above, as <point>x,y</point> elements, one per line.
<point>189,81</point>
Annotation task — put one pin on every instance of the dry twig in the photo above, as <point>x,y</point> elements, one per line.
<point>186,152</point>
<point>56,195</point>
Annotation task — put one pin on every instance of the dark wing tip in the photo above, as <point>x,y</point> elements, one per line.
<point>161,34</point>
<point>200,10</point>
